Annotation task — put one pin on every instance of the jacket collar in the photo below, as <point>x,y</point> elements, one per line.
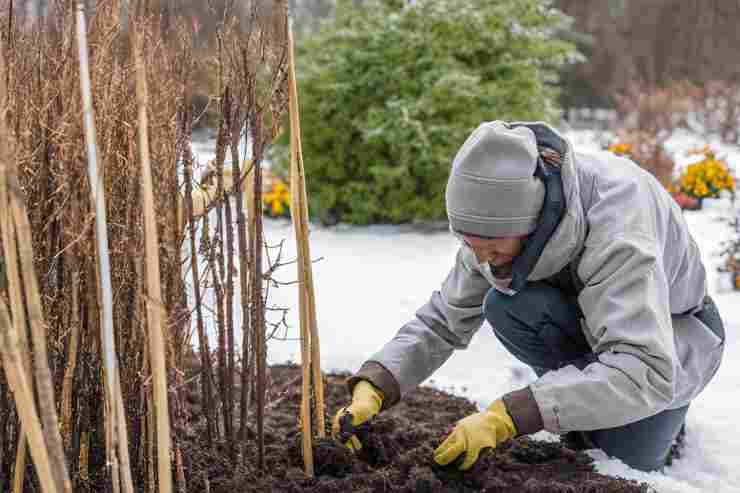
<point>565,243</point>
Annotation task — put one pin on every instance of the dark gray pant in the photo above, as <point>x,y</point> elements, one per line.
<point>540,326</point>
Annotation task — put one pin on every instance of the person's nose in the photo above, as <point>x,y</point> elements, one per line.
<point>485,256</point>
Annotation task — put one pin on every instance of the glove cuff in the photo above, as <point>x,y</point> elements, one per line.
<point>524,411</point>
<point>382,380</point>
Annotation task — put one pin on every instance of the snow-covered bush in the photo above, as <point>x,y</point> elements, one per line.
<point>389,92</point>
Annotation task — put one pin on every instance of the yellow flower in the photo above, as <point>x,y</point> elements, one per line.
<point>620,148</point>
<point>277,208</point>
<point>277,199</point>
<point>707,177</point>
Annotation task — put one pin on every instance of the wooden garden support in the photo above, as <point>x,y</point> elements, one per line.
<point>14,347</point>
<point>155,310</point>
<point>116,424</point>
<point>310,350</point>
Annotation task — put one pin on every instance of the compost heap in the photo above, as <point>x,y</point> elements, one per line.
<point>397,458</point>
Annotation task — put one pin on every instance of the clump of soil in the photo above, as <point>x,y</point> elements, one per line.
<point>396,456</point>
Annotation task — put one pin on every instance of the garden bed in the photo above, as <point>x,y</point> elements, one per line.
<point>398,457</point>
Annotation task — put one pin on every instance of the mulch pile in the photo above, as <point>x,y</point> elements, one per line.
<point>396,458</point>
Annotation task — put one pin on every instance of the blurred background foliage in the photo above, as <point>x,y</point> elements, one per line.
<point>656,42</point>
<point>390,88</point>
<point>388,95</point>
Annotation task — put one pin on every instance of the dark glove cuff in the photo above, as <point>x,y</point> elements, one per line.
<point>523,409</point>
<point>376,374</point>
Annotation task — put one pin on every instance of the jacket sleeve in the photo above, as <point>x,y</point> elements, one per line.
<point>625,304</point>
<point>446,322</point>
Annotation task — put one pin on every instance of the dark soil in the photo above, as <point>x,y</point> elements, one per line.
<point>397,455</point>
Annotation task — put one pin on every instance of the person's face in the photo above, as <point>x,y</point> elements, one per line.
<point>498,252</point>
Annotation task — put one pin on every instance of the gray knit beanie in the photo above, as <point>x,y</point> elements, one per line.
<point>492,190</point>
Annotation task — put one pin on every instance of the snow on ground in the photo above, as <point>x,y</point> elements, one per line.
<point>370,280</point>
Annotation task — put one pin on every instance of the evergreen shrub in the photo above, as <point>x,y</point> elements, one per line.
<point>388,93</point>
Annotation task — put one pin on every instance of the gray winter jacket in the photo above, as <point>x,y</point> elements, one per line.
<point>642,276</point>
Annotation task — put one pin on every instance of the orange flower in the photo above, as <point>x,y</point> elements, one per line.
<point>706,178</point>
<point>620,148</point>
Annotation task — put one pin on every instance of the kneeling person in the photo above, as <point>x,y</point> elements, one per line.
<point>587,272</point>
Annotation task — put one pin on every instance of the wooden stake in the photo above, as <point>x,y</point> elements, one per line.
<point>19,384</point>
<point>44,385</point>
<point>18,308</point>
<point>16,301</point>
<point>20,462</point>
<point>154,297</point>
<point>14,288</point>
<point>124,460</point>
<point>98,201</point>
<point>299,207</point>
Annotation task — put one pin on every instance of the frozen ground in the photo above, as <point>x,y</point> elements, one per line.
<point>371,280</point>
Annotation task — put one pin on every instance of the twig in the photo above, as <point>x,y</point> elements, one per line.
<point>202,337</point>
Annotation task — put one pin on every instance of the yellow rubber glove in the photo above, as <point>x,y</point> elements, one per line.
<point>474,433</point>
<point>366,403</point>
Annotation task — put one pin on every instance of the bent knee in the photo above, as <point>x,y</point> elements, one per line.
<point>531,302</point>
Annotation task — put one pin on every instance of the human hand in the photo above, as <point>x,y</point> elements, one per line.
<point>366,403</point>
<point>474,433</point>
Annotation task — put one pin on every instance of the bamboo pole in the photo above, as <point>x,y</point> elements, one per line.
<point>19,473</point>
<point>14,288</point>
<point>151,476</point>
<point>18,312</point>
<point>303,314</point>
<point>44,385</point>
<point>299,207</point>
<point>20,385</point>
<point>123,454</point>
<point>98,199</point>
<point>154,301</point>
<point>16,301</point>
